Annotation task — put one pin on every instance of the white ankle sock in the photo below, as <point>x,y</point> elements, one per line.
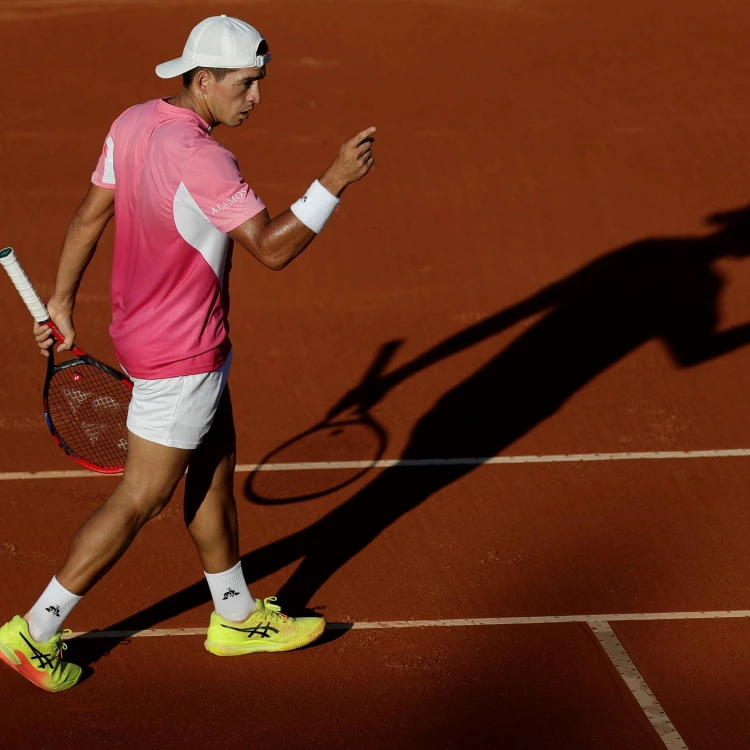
<point>46,617</point>
<point>230,594</point>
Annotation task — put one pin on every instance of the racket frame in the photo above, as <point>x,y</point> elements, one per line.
<point>39,312</point>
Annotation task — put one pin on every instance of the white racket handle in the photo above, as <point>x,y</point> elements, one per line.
<point>25,288</point>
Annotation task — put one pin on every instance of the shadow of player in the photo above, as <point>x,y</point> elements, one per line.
<point>661,288</point>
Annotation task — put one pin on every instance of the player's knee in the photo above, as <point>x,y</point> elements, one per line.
<point>144,502</point>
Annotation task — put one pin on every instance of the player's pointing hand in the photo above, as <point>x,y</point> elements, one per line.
<point>353,162</point>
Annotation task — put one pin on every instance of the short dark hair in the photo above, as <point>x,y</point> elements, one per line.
<point>218,73</point>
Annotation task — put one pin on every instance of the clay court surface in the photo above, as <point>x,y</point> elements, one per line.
<point>537,235</point>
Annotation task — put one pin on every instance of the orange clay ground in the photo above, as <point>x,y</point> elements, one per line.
<point>537,232</point>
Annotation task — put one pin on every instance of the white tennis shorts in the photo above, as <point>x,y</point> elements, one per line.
<point>177,412</point>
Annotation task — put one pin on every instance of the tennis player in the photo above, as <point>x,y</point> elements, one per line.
<point>181,204</point>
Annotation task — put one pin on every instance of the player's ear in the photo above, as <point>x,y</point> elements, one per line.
<point>202,80</point>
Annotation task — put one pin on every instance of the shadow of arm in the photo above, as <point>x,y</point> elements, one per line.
<point>690,349</point>
<point>365,396</point>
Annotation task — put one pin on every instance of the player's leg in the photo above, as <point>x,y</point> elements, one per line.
<point>151,474</point>
<point>239,624</point>
<point>209,510</point>
<point>211,515</point>
<point>32,645</point>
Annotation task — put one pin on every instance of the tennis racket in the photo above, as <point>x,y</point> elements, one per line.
<point>328,456</point>
<point>85,401</point>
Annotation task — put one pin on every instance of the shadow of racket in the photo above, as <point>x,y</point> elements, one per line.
<point>331,454</point>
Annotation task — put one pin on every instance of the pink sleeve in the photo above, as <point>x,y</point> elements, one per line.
<point>104,174</point>
<point>212,177</point>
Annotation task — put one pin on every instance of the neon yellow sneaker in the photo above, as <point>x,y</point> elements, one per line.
<point>267,629</point>
<point>40,663</point>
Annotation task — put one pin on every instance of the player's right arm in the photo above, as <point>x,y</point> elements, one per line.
<point>277,242</point>
<point>84,231</point>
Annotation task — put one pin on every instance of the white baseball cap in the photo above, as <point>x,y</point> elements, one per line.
<point>218,42</point>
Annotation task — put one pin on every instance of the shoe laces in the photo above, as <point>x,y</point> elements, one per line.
<point>60,646</point>
<point>273,611</point>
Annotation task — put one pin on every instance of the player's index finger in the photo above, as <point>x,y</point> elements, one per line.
<point>361,136</point>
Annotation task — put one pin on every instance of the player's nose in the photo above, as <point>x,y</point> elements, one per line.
<point>254,94</point>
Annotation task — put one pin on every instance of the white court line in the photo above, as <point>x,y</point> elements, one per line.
<point>421,463</point>
<point>74,474</point>
<point>395,624</point>
<point>494,460</point>
<point>638,687</point>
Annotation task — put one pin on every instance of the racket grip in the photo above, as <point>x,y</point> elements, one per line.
<point>22,284</point>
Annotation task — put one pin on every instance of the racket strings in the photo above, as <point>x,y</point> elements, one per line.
<point>88,410</point>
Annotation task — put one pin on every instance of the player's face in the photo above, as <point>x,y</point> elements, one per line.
<point>236,95</point>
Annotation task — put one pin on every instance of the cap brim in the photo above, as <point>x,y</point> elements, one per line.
<point>175,67</point>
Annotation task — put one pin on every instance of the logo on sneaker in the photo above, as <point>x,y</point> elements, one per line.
<point>53,610</point>
<point>46,661</point>
<point>261,630</point>
<point>229,593</point>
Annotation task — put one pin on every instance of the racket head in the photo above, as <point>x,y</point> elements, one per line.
<point>85,406</point>
<point>281,478</point>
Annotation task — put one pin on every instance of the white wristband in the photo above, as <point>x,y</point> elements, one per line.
<point>315,207</point>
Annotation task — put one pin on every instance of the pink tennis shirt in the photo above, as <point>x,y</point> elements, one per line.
<point>177,194</point>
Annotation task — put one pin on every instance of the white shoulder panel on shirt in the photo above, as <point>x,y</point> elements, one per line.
<point>109,162</point>
<point>195,228</point>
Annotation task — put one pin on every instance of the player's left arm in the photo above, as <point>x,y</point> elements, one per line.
<point>85,229</point>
